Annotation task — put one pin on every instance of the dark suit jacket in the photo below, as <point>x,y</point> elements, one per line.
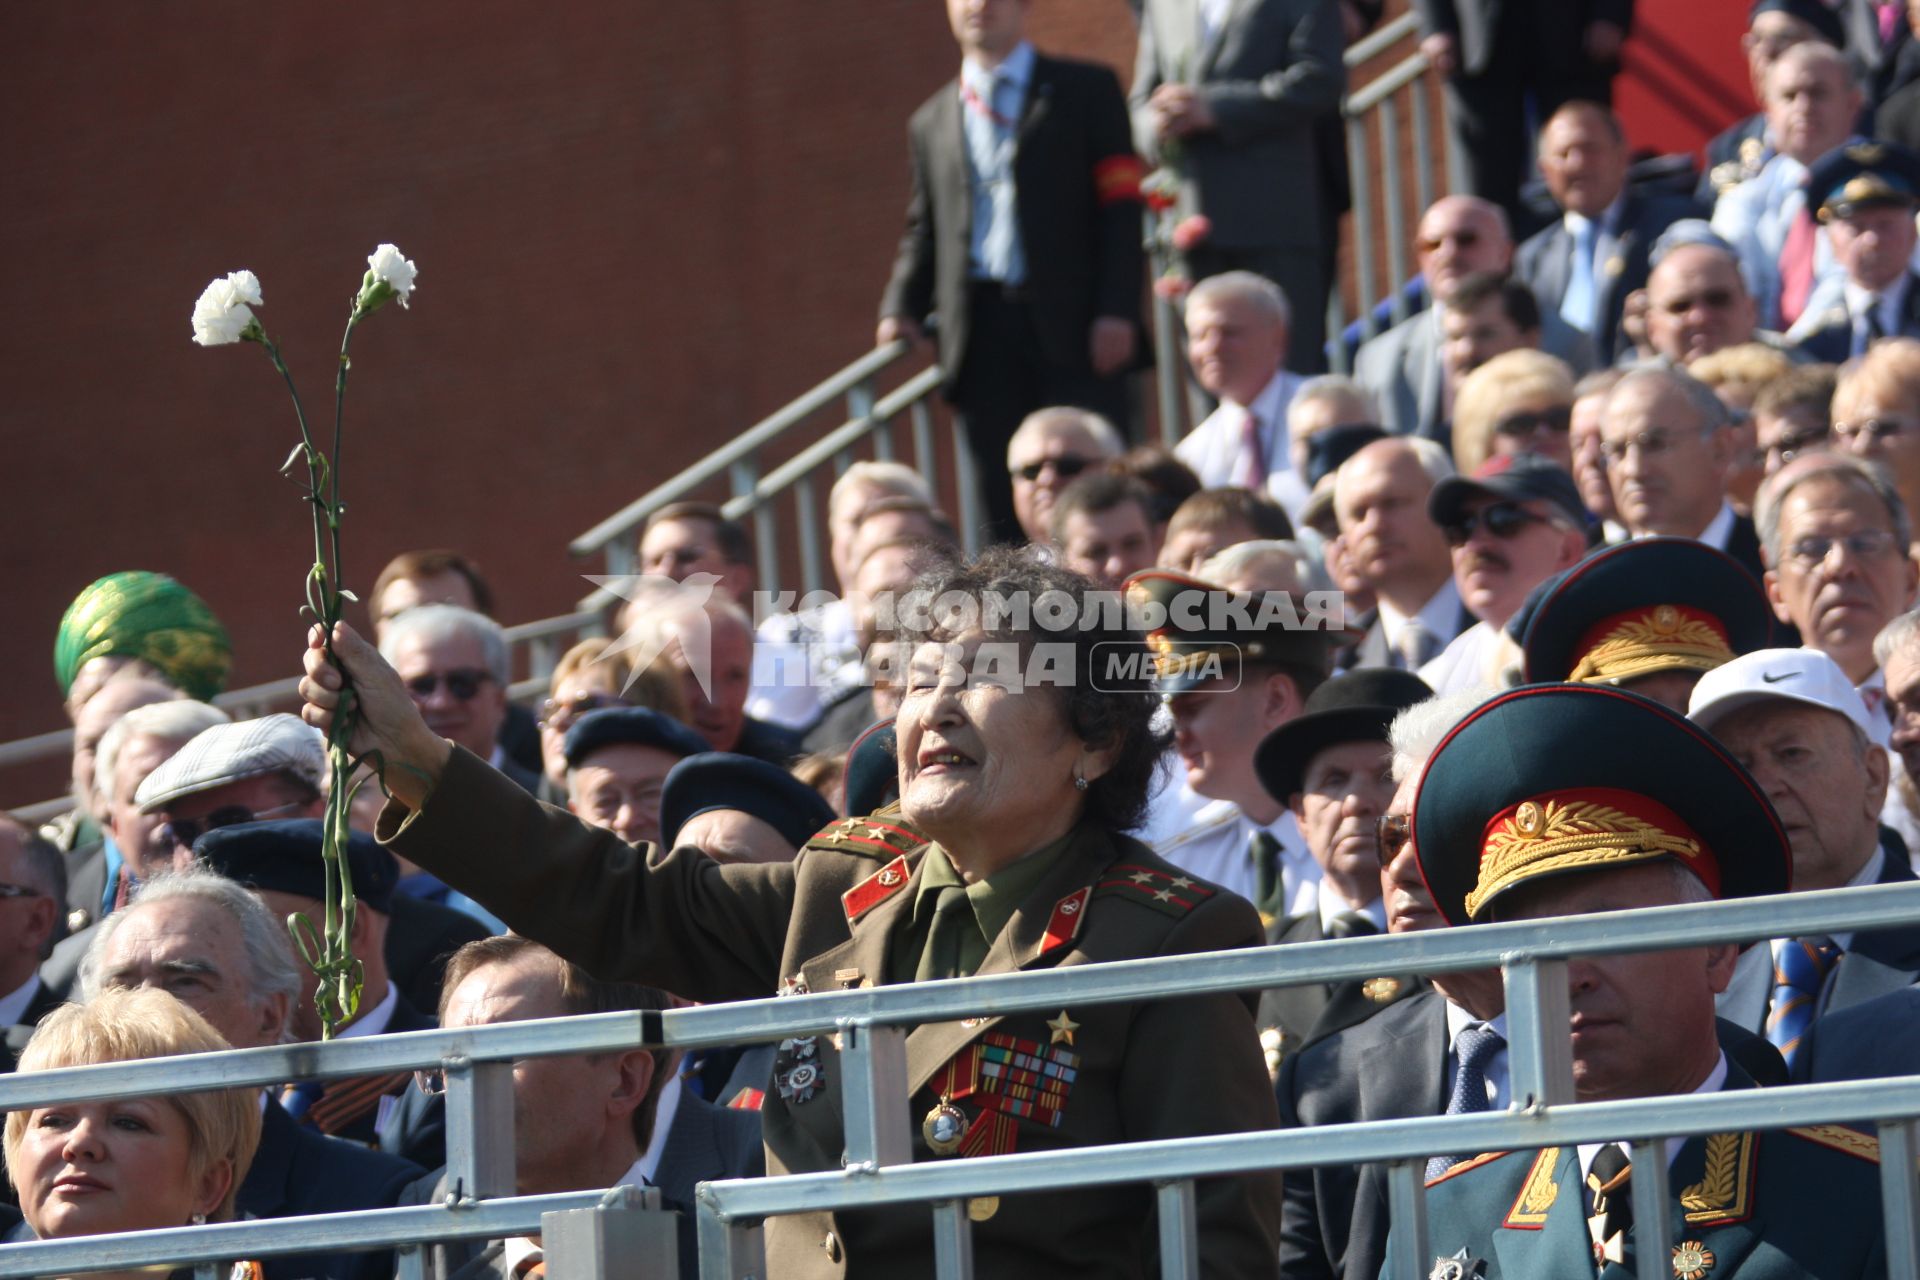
<point>297,1171</point>
<point>1878,1038</point>
<point>1743,544</point>
<point>349,1108</point>
<point>1831,340</point>
<point>44,1002</point>
<point>1401,368</point>
<point>86,886</point>
<point>1082,253</point>
<point>1545,261</point>
<point>1734,154</point>
<point>1559,28</point>
<point>421,935</point>
<point>713,932</point>
<point>1272,73</point>
<point>1304,1014</point>
<point>1373,650</point>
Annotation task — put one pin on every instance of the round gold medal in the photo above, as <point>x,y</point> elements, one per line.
<point>944,1127</point>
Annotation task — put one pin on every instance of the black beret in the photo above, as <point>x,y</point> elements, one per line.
<point>284,857</point>
<point>1816,14</point>
<point>1327,450</point>
<point>1356,707</point>
<point>612,726</point>
<point>873,771</point>
<point>721,780</point>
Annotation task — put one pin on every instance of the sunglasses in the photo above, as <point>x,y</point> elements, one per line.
<point>1502,520</point>
<point>463,684</point>
<point>1394,832</point>
<point>1464,239</point>
<point>1559,418</point>
<point>1712,299</point>
<point>1066,467</point>
<point>561,715</point>
<point>184,831</point>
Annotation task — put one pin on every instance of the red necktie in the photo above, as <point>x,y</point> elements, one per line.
<point>1250,469</point>
<point>1796,267</point>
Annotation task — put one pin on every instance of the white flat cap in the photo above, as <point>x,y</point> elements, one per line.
<point>230,752</point>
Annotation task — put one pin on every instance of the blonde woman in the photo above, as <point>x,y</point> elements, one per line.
<point>1518,402</point>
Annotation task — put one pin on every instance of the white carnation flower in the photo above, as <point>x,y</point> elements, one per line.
<point>392,269</point>
<point>224,312</point>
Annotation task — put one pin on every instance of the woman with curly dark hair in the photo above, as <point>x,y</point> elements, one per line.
<point>1026,751</point>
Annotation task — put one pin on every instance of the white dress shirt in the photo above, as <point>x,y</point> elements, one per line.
<point>374,1020</point>
<point>1333,906</point>
<point>1212,449</point>
<point>1215,849</point>
<point>1470,661</point>
<point>1716,1079</point>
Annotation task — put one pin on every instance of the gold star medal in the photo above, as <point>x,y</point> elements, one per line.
<point>1063,1028</point>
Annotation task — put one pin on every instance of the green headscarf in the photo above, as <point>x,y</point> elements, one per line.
<point>147,616</point>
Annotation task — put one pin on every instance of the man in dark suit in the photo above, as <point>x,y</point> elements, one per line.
<point>1394,547</point>
<point>1738,152</point>
<point>1865,194</point>
<point>1230,96</point>
<point>30,910</point>
<point>1584,266</point>
<point>1498,54</point>
<point>1793,718</point>
<point>1023,238</point>
<point>210,943</point>
<point>588,1121</point>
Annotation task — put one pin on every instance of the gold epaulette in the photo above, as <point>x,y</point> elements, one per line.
<point>1840,1138</point>
<point>1473,1162</point>
<point>882,835</point>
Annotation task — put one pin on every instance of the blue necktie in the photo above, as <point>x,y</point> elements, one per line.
<point>1475,1048</point>
<point>1800,968</point>
<point>298,1098</point>
<point>1577,304</point>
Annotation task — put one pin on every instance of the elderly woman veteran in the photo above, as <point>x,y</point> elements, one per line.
<point>128,1164</point>
<point>1022,793</point>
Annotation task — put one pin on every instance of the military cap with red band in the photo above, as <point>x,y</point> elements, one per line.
<point>1565,779</point>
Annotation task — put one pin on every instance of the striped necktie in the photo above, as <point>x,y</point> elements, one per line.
<point>1800,969</point>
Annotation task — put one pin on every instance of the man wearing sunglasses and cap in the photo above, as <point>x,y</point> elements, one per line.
<point>1572,799</point>
<point>1515,523</point>
<point>1864,194</point>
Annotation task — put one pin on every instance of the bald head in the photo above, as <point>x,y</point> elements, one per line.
<point>1811,100</point>
<point>1697,303</point>
<point>1458,236</point>
<point>1583,157</point>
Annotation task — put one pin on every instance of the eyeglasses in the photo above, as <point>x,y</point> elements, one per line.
<point>1525,423</point>
<point>184,831</point>
<point>562,715</point>
<point>1876,429</point>
<point>1394,832</point>
<point>463,683</point>
<point>1712,299</point>
<point>1066,467</point>
<point>22,891</point>
<point>1787,448</point>
<point>433,1080</point>
<point>1502,519</point>
<point>1864,544</point>
<point>1461,239</point>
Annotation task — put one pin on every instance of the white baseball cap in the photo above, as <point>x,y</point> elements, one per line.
<point>230,752</point>
<point>1796,675</point>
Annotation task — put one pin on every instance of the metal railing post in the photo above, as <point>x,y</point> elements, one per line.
<point>480,1163</point>
<point>728,1250</point>
<point>410,1262</point>
<point>873,1094</point>
<point>1539,1050</point>
<point>952,1240</point>
<point>1652,1224</point>
<point>1365,277</point>
<point>1407,1210</point>
<point>1899,1196</point>
<point>1392,201</point>
<point>623,556</point>
<point>1422,111</point>
<point>626,1234</point>
<point>1179,1231</point>
<point>926,457</point>
<point>963,470</point>
<point>812,576</point>
<point>744,477</point>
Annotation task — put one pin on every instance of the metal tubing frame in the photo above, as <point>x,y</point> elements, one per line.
<point>1179,1231</point>
<point>1652,1224</point>
<point>1393,203</point>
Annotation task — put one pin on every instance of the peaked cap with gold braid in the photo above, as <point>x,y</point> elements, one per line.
<point>1561,779</point>
<point>1641,608</point>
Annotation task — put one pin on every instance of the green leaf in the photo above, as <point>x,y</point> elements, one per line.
<point>348,595</point>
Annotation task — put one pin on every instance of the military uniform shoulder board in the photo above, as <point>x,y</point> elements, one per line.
<point>876,888</point>
<point>1063,926</point>
<point>1841,1138</point>
<point>1168,892</point>
<point>881,834</point>
<point>1473,1162</point>
<point>1537,1193</point>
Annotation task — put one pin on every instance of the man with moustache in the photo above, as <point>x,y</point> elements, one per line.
<point>1668,445</point>
<point>1396,550</point>
<point>1515,524</point>
<point>1458,236</point>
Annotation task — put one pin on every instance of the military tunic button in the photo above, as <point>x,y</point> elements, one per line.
<point>832,1245</point>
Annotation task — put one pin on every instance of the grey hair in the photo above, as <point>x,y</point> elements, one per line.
<point>179,720</point>
<point>432,622</point>
<point>270,968</point>
<point>1266,296</point>
<point>1858,474</point>
<point>1897,635</point>
<point>1699,396</point>
<point>1104,433</point>
<point>894,478</point>
<point>1333,386</point>
<point>1417,731</point>
<point>1229,563</point>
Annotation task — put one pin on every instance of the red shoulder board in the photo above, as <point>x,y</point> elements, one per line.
<point>1117,178</point>
<point>747,1100</point>
<point>1063,926</point>
<point>875,889</point>
<point>881,835</point>
<point>1168,892</point>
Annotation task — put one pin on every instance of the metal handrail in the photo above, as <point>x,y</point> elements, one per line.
<point>872,1024</point>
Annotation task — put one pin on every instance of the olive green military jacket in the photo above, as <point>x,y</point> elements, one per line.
<point>1084,1076</point>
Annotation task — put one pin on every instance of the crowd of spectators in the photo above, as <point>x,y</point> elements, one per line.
<point>1641,432</point>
